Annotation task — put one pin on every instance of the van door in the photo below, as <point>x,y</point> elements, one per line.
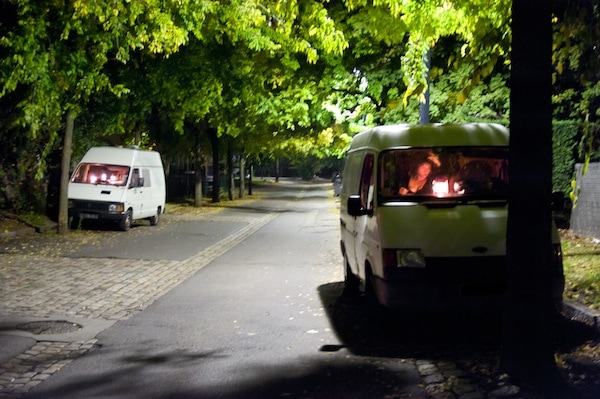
<point>149,206</point>
<point>135,193</point>
<point>366,191</point>
<point>351,182</point>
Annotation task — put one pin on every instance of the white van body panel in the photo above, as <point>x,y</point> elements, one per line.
<point>85,192</point>
<point>459,237</point>
<point>442,232</point>
<point>89,201</point>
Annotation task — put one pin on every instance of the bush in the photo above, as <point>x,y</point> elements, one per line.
<point>565,139</point>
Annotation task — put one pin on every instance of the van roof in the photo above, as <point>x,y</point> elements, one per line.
<point>122,156</point>
<point>431,135</point>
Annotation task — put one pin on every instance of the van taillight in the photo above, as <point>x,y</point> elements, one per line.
<point>403,258</point>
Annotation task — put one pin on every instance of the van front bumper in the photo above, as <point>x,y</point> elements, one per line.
<point>96,215</point>
<point>472,283</point>
<point>438,296</point>
<point>96,210</point>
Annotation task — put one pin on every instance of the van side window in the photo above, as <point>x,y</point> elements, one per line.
<point>135,178</point>
<point>146,176</point>
<point>352,167</point>
<point>366,182</point>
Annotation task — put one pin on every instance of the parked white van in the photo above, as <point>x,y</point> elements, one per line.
<point>121,184</point>
<point>423,215</point>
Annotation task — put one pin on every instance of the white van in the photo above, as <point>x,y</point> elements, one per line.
<point>423,215</point>
<point>121,184</point>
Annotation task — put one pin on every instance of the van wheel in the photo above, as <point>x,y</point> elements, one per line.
<point>376,311</point>
<point>351,281</point>
<point>370,296</point>
<point>74,223</point>
<point>125,223</point>
<point>154,219</point>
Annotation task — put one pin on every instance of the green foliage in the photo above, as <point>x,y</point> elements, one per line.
<point>273,75</point>
<point>582,272</point>
<point>565,136</point>
<point>57,58</point>
<point>487,102</point>
<point>576,58</point>
<point>420,25</point>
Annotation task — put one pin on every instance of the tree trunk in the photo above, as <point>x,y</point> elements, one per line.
<point>242,175</point>
<point>138,135</point>
<point>216,184</point>
<point>424,106</point>
<point>230,181</point>
<point>63,200</point>
<point>527,352</point>
<point>250,179</point>
<point>197,171</point>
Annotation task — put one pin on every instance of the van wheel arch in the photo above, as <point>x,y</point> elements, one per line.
<point>367,286</point>
<point>376,310</point>
<point>156,218</point>
<point>127,221</point>
<point>351,281</point>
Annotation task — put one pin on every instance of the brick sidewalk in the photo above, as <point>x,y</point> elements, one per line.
<point>99,288</point>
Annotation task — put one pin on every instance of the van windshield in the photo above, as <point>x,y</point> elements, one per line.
<point>96,173</point>
<point>429,174</point>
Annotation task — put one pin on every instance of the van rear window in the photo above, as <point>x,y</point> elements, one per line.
<point>424,174</point>
<point>96,173</point>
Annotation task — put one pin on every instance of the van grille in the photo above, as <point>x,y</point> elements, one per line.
<point>90,205</point>
<point>466,269</point>
<point>480,275</point>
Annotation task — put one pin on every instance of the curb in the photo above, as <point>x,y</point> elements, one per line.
<point>46,228</point>
<point>19,232</point>
<point>575,311</point>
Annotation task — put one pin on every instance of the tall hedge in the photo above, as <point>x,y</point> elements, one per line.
<point>565,140</point>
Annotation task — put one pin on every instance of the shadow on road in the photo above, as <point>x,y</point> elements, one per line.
<point>376,359</point>
<point>470,339</point>
<point>432,335</point>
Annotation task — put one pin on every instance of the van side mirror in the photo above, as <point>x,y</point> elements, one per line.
<point>355,207</point>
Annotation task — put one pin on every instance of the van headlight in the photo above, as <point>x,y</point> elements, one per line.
<point>403,258</point>
<point>116,208</point>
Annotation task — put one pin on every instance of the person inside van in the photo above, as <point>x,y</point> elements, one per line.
<point>420,180</point>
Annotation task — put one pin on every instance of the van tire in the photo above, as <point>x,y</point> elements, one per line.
<point>376,311</point>
<point>75,223</point>
<point>351,281</point>
<point>370,296</point>
<point>155,219</point>
<point>126,222</point>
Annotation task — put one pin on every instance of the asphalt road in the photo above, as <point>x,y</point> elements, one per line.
<point>253,323</point>
<point>173,239</point>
